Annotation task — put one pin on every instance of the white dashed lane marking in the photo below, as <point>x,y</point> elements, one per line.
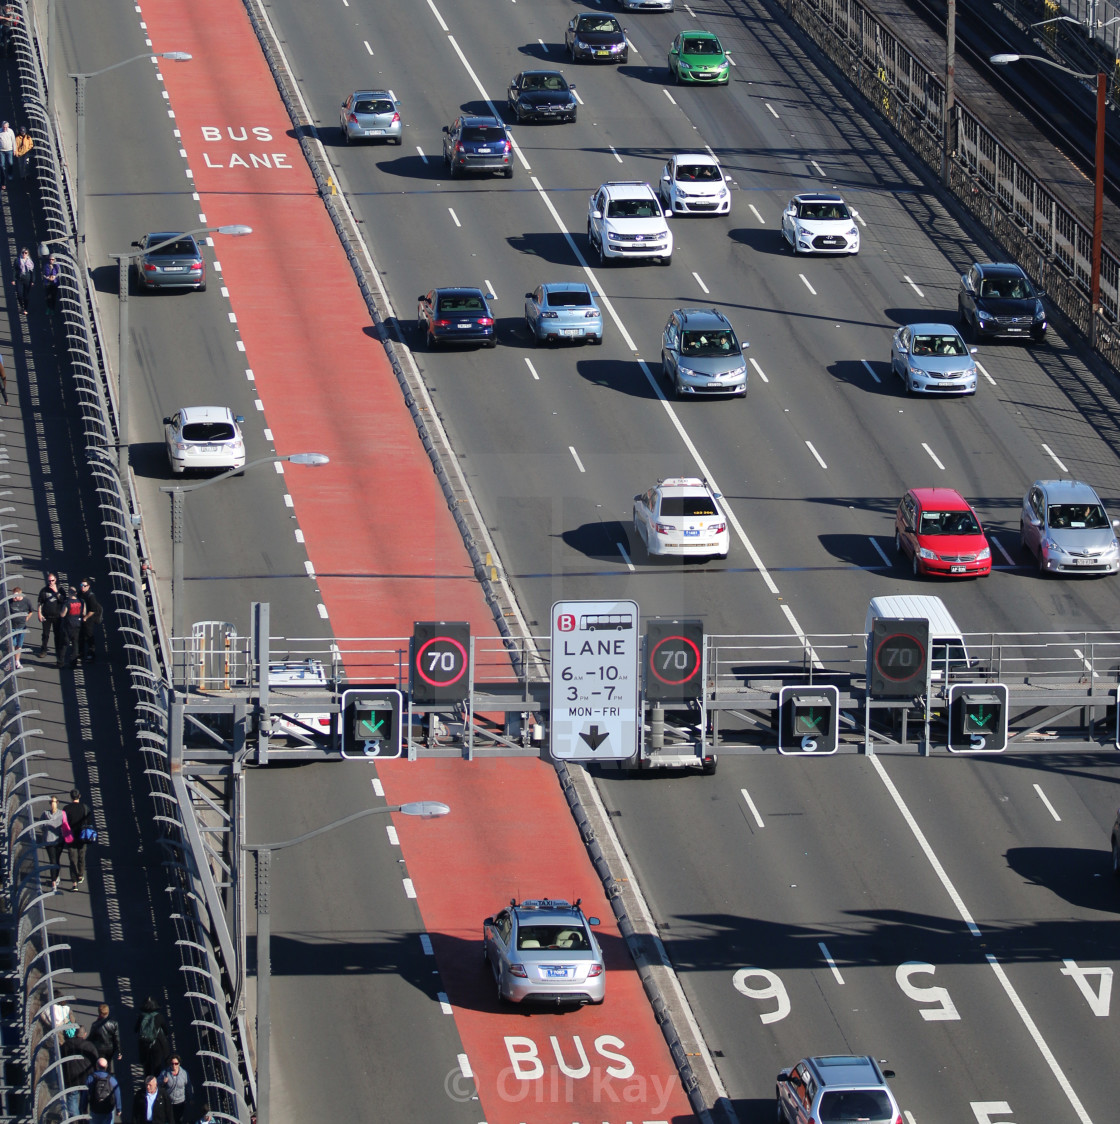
<point>914,287</point>
<point>751,804</point>
<point>933,456</point>
<point>1050,453</point>
<point>830,962</point>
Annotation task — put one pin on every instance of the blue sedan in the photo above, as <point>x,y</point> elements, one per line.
<point>563,310</point>
<point>458,315</point>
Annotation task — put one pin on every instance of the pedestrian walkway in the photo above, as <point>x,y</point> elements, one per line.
<point>116,924</point>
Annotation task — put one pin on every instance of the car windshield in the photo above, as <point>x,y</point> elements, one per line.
<point>598,23</point>
<point>208,431</point>
<point>698,173</point>
<point>701,47</point>
<point>1089,517</point>
<point>633,209</point>
<point>679,506</point>
<point>1007,288</point>
<point>709,344</point>
<point>551,936</point>
<point>568,298</point>
<point>855,1104</point>
<point>461,304</point>
<point>938,345</point>
<point>183,248</point>
<point>544,82</point>
<point>948,523</point>
<point>820,211</point>
<point>485,134</point>
<point>379,105</point>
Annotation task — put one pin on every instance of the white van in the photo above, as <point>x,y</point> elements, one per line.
<point>946,640</point>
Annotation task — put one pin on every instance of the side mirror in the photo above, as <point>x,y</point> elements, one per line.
<point>727,179</point>
<point>855,213</point>
<point>1039,293</point>
<point>593,921</point>
<point>488,921</point>
<point>168,421</point>
<point>668,212</point>
<point>973,350</point>
<point>665,177</point>
<point>446,129</point>
<point>239,419</point>
<point>596,214</point>
<point>528,296</point>
<point>1116,522</point>
<point>889,1074</point>
<point>422,298</point>
<point>571,85</point>
<point>491,297</point>
<point>637,498</point>
<point>746,344</point>
<point>788,1078</point>
<point>137,242</point>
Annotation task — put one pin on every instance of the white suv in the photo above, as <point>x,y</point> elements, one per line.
<point>625,220</point>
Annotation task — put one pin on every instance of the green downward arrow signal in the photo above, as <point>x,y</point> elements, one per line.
<point>979,718</point>
<point>369,726</point>
<point>809,720</point>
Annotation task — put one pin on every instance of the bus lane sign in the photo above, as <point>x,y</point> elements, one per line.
<point>595,680</point>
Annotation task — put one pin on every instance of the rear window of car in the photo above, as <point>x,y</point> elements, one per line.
<point>184,248</point>
<point>855,1104</point>
<point>823,211</point>
<point>381,105</point>
<point>208,431</point>
<point>570,299</point>
<point>483,134</point>
<point>461,304</point>
<point>551,936</point>
<point>677,506</point>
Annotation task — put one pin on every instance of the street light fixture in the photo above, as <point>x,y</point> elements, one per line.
<point>124,262</point>
<point>1098,177</point>
<point>177,492</point>
<point>424,809</point>
<point>80,131</point>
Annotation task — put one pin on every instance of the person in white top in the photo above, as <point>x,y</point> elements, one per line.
<point>7,154</point>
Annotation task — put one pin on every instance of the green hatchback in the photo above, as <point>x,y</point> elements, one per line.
<point>698,56</point>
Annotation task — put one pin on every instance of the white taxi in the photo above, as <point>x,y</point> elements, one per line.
<point>681,516</point>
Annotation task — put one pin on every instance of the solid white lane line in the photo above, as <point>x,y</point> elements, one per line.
<point>1039,1041</point>
<point>933,860</point>
<point>575,457</point>
<point>439,18</point>
<point>1088,666</point>
<point>933,456</point>
<point>1049,806</point>
<point>754,210</point>
<point>914,287</point>
<point>983,370</point>
<point>409,889</point>
<point>422,156</point>
<point>881,552</point>
<point>464,1066</point>
<point>731,60</point>
<point>454,217</point>
<point>444,1003</point>
<point>859,219</point>
<point>820,459</point>
<point>1050,453</point>
<point>773,111</point>
<point>625,556</point>
<point>817,166</point>
<point>690,11</point>
<point>391,832</point>
<point>614,153</point>
<point>750,804</point>
<point>807,285</point>
<point>481,89</point>
<point>830,962</point>
<point>426,944</point>
<point>1000,547</point>
<point>870,370</point>
<point>708,150</point>
<point>758,370</point>
<point>532,369</point>
<point>669,96</point>
<point>699,281</point>
<point>575,94</point>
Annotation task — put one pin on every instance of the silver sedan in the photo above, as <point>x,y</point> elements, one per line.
<point>933,359</point>
<point>563,310</point>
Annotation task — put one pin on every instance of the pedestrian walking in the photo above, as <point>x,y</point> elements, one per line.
<point>23,146</point>
<point>177,1082</point>
<point>152,1105</point>
<point>155,1038</point>
<point>3,381</point>
<point>50,836</point>
<point>23,273</point>
<point>52,278</point>
<point>79,1062</point>
<point>7,152</point>
<point>102,1098</point>
<point>105,1034</point>
<point>77,819</point>
<point>20,612</point>
<point>91,618</point>
<point>9,20</point>
<point>50,613</point>
<point>73,609</point>
<point>205,1115</point>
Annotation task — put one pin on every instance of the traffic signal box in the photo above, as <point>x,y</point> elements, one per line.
<point>977,718</point>
<point>808,719</point>
<point>371,722</point>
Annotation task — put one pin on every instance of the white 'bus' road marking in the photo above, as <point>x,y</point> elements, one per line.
<point>870,370</point>
<point>699,281</point>
<point>1000,547</point>
<point>980,367</point>
<point>879,550</point>
<point>1050,453</point>
<point>761,373</point>
<point>421,152</point>
<point>669,96</point>
<point>914,287</point>
<point>625,556</point>
<point>391,832</point>
<point>532,369</point>
<point>614,153</point>
<point>454,217</point>
<point>807,285</point>
<point>933,456</point>
<point>830,962</point>
<point>1049,807</point>
<point>773,111</point>
<point>820,459</point>
<point>754,210</point>
<point>426,944</point>
<point>575,456</point>
<point>409,889</point>
<point>750,804</point>
<point>817,166</point>
<point>378,790</point>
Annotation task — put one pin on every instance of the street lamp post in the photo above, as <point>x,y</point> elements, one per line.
<point>425,809</point>
<point>80,129</point>
<point>124,262</point>
<point>1098,178</point>
<point>177,492</point>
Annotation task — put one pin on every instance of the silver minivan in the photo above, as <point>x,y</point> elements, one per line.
<point>700,353</point>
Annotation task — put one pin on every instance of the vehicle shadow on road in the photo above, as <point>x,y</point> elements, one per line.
<point>149,460</point>
<point>856,550</point>
<point>1078,875</point>
<point>624,376</point>
<point>549,246</point>
<point>761,241</point>
<point>414,167</point>
<point>920,316</point>
<point>854,371</point>
<point>600,540</point>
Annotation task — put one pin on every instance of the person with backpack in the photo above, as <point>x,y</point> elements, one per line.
<point>73,609</point>
<point>155,1038</point>
<point>102,1096</point>
<point>151,1104</point>
<point>77,819</point>
<point>79,1059</point>
<point>105,1034</point>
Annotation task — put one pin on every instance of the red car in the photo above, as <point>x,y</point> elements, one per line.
<point>940,532</point>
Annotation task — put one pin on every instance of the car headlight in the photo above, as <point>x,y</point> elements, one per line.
<point>524,103</point>
<point>580,45</point>
<point>612,237</point>
<point>723,193</point>
<point>1051,547</point>
<point>916,370</point>
<point>686,371</point>
<point>1039,311</point>
<point>984,315</point>
<point>853,232</point>
<point>734,374</point>
<point>984,555</point>
<point>929,555</point>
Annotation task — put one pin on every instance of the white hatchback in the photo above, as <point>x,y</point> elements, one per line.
<point>204,437</point>
<point>681,516</point>
<point>815,223</point>
<point>693,183</point>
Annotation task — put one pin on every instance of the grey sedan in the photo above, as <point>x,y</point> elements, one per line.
<point>372,115</point>
<point>170,261</point>
<point>933,359</point>
<point>563,310</point>
<point>1065,526</point>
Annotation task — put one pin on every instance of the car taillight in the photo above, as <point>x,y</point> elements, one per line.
<point>396,119</point>
<point>506,146</point>
<point>196,267</point>
<point>441,323</point>
<point>485,321</point>
<point>518,970</point>
<point>590,315</point>
<point>149,268</point>
<point>458,147</point>
<point>719,528</point>
<point>352,118</point>
<point>596,970</point>
<point>663,528</point>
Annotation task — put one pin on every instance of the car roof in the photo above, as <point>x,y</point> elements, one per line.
<point>206,413</point>
<point>550,73</point>
<point>846,1069</point>
<point>683,486</point>
<point>566,286</point>
<point>165,235</point>
<point>695,158</point>
<point>459,291</point>
<point>818,197</point>
<point>999,269</point>
<point>1067,491</point>
<point>544,909</point>
<point>933,329</point>
<point>372,94</point>
<point>703,318</point>
<point>636,189</point>
<point>482,120</point>
<point>696,33</point>
<point>944,499</point>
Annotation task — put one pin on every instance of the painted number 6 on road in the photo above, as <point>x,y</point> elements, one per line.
<point>774,989</point>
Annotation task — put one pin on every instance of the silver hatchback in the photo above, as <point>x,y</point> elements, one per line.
<point>1065,526</point>
<point>700,353</point>
<point>372,115</point>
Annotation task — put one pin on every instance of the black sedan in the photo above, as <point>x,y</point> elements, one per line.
<point>592,37</point>
<point>457,315</point>
<point>541,95</point>
<point>170,261</point>
<point>997,299</point>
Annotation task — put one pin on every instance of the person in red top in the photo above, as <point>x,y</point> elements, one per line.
<point>73,610</point>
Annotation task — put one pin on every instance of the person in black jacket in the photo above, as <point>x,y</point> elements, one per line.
<point>50,613</point>
<point>155,1038</point>
<point>105,1034</point>
<point>79,1057</point>
<point>151,1104</point>
<point>77,816</point>
<point>91,618</point>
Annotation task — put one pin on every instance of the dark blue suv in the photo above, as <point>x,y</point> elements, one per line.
<point>477,144</point>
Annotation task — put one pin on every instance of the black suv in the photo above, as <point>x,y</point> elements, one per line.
<point>997,299</point>
<point>477,144</point>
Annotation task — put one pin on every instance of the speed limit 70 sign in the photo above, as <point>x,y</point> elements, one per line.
<point>438,670</point>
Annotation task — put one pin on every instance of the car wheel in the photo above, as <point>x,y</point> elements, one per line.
<point>909,388</point>
<point>1042,571</point>
<point>201,288</point>
<point>1116,858</point>
<point>602,254</point>
<point>897,543</point>
<point>666,260</point>
<point>453,169</point>
<point>395,140</point>
<point>915,565</point>
<point>597,340</point>
<point>625,58</point>
<point>509,172</point>
<point>346,135</point>
<point>674,75</point>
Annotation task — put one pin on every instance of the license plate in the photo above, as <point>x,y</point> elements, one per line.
<point>211,448</point>
<point>571,331</point>
<point>603,54</point>
<point>556,973</point>
<point>174,268</point>
<point>691,534</point>
<point>463,324</point>
<point>484,152</point>
<point>957,569</point>
<point>1084,561</point>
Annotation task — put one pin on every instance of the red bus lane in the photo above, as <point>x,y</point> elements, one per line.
<point>306,334</point>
